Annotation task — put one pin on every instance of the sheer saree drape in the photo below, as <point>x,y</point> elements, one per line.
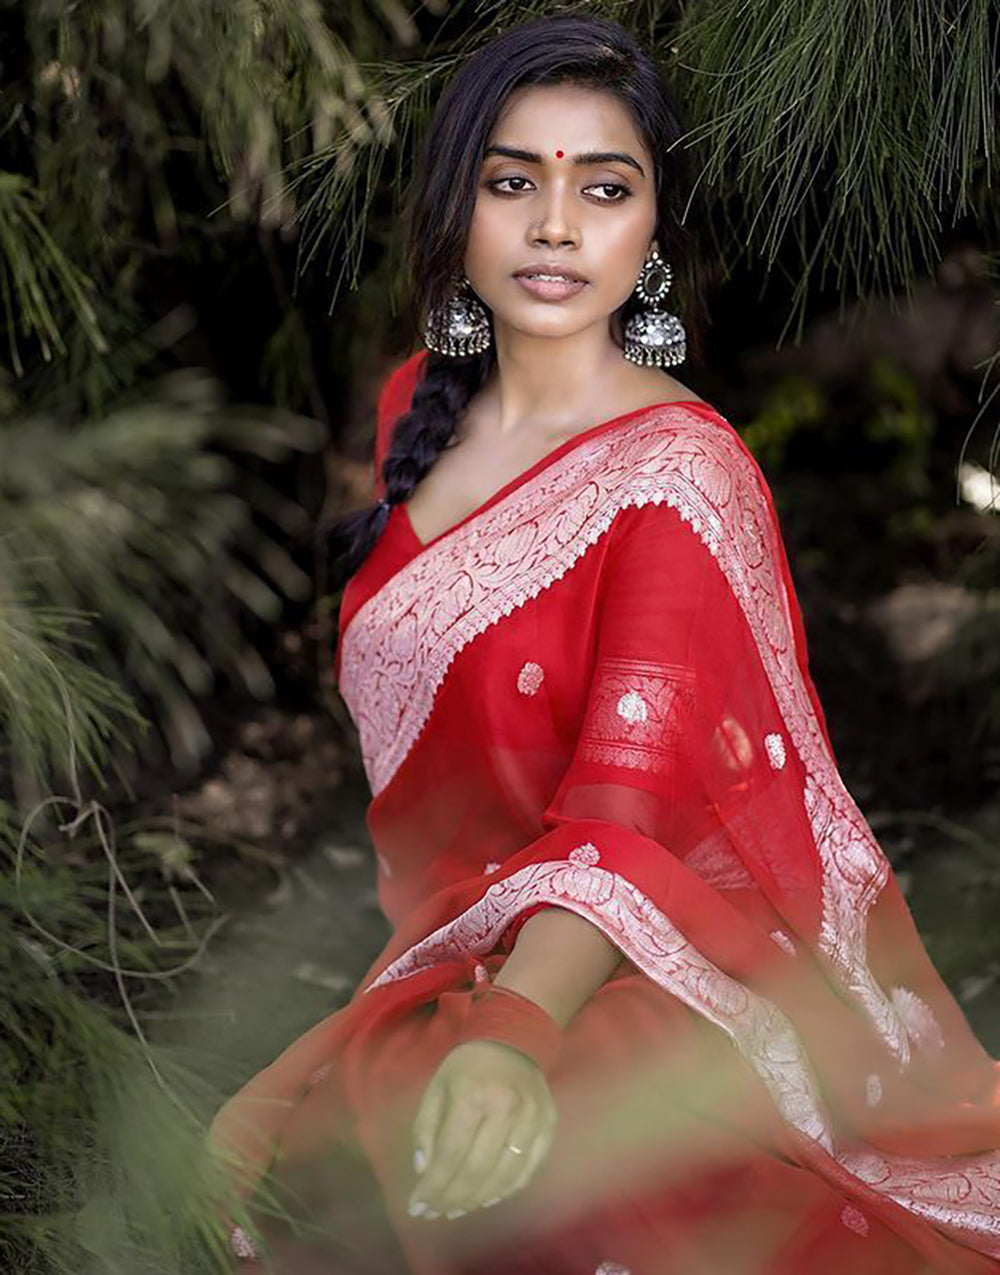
<point>593,693</point>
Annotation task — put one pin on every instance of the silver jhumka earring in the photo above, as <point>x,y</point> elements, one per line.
<point>654,337</point>
<point>461,326</point>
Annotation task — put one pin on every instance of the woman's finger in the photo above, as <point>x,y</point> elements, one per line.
<point>425,1125</point>
<point>486,1152</point>
<point>455,1133</point>
<point>537,1152</point>
<point>508,1166</point>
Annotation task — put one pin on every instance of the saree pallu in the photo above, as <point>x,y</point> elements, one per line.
<point>593,693</point>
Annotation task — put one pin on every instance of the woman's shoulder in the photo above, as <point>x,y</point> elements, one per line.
<point>688,461</point>
<point>659,387</point>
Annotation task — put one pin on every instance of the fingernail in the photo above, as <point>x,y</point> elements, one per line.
<point>497,1199</point>
<point>431,1214</point>
<point>455,1213</point>
<point>417,1207</point>
<point>420,1160</point>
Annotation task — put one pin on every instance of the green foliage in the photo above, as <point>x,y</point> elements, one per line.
<point>55,708</point>
<point>828,136</point>
<point>843,137</point>
<point>887,430</point>
<point>790,406</point>
<point>81,1089</point>
<point>135,518</point>
<point>36,276</point>
<point>143,134</point>
<point>137,123</point>
<point>905,427</point>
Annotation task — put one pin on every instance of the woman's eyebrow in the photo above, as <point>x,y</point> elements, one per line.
<point>588,157</point>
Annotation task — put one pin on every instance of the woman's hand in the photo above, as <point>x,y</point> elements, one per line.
<point>482,1096</point>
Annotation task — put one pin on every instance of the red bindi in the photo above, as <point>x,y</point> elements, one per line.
<point>559,154</point>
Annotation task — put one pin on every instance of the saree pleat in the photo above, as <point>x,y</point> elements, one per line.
<point>593,693</point>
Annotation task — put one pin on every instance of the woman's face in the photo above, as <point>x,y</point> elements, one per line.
<point>597,218</point>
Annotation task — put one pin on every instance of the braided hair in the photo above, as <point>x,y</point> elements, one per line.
<point>590,52</point>
<point>418,439</point>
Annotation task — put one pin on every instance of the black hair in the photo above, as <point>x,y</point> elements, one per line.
<point>590,52</point>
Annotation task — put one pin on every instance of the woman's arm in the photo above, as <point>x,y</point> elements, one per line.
<point>559,960</point>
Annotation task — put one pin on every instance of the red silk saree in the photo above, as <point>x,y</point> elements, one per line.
<point>593,693</point>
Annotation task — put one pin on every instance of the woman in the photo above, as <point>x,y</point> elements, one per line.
<point>653,1001</point>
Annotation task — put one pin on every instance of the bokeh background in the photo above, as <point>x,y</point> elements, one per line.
<point>199,293</point>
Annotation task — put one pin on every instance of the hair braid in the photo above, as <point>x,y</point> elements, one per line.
<point>421,434</point>
<point>418,438</point>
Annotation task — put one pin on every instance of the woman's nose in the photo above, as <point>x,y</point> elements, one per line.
<point>556,224</point>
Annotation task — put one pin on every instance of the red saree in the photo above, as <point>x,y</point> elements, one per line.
<point>593,693</point>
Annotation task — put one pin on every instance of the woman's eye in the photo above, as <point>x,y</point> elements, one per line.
<point>499,181</point>
<point>625,193</point>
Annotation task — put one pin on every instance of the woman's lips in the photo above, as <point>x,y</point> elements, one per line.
<point>550,289</point>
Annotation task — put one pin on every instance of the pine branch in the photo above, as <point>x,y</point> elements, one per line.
<point>134,518</point>
<point>38,282</point>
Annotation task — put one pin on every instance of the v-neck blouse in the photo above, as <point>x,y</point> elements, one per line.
<point>399,543</point>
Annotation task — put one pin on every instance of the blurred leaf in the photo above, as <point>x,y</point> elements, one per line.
<point>37,279</point>
<point>136,518</point>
